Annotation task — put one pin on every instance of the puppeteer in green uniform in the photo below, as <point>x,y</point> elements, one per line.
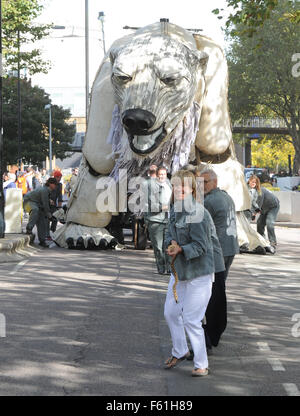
<point>37,204</point>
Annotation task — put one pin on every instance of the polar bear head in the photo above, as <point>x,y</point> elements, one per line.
<point>155,78</point>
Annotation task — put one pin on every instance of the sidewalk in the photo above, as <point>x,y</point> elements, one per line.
<point>287,224</point>
<point>15,247</point>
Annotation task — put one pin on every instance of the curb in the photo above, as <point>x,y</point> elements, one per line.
<point>287,224</point>
<point>15,247</point>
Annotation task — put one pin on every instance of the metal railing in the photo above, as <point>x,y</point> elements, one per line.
<point>261,122</point>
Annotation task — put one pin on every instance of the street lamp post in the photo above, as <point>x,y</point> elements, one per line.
<point>48,107</point>
<point>87,69</point>
<point>19,107</point>
<point>101,18</point>
<point>1,136</point>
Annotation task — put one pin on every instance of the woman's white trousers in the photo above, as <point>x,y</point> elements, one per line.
<point>187,315</point>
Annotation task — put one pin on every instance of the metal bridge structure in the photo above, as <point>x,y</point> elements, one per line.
<point>261,125</point>
<point>77,143</point>
<point>251,126</point>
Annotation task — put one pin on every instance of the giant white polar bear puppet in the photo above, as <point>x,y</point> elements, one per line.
<point>160,96</point>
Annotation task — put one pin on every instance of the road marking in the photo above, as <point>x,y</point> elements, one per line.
<point>237,308</point>
<point>293,286</point>
<point>263,346</point>
<point>18,267</point>
<point>244,318</point>
<point>273,269</point>
<point>253,331</point>
<point>272,286</point>
<point>276,364</point>
<point>291,389</point>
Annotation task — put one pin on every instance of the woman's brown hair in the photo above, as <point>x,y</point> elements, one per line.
<point>182,174</point>
<point>257,181</point>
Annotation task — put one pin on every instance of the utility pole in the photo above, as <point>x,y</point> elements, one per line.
<point>2,224</point>
<point>19,107</point>
<point>87,69</point>
<point>48,107</point>
<point>101,18</point>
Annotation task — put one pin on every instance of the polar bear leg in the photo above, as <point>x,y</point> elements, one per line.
<point>76,236</point>
<point>90,210</point>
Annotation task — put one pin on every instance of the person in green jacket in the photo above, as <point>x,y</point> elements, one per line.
<point>159,192</point>
<point>267,205</point>
<point>190,246</point>
<point>222,210</point>
<point>37,204</point>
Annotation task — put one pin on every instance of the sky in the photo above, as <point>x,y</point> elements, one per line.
<point>67,54</point>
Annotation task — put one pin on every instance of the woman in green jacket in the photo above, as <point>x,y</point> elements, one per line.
<point>190,247</point>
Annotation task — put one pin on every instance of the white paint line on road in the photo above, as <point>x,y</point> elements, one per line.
<point>259,270</point>
<point>237,308</point>
<point>293,286</point>
<point>244,318</point>
<point>291,389</point>
<point>275,269</point>
<point>18,267</point>
<point>276,364</point>
<point>253,272</point>
<point>263,346</point>
<point>273,286</point>
<point>253,331</point>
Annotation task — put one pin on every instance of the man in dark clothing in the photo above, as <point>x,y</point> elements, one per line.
<point>36,203</point>
<point>222,210</point>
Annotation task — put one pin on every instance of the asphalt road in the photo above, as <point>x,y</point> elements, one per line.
<point>91,323</point>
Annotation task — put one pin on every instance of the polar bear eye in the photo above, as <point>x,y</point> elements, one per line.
<point>122,78</point>
<point>169,80</point>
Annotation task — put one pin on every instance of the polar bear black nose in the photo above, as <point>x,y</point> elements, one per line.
<point>137,121</point>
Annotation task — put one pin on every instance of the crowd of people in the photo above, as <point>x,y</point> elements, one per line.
<point>43,194</point>
<point>194,238</point>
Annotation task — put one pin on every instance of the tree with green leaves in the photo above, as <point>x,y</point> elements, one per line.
<point>20,30</point>
<point>35,124</point>
<point>263,79</point>
<point>272,153</point>
<point>248,15</point>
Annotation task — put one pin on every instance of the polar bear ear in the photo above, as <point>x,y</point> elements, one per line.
<point>203,58</point>
<point>113,55</point>
<point>200,58</point>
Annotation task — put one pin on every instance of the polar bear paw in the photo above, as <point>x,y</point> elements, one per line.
<point>80,237</point>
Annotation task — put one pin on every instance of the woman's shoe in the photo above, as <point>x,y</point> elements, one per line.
<point>270,249</point>
<point>200,372</point>
<point>173,361</point>
<point>191,356</point>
